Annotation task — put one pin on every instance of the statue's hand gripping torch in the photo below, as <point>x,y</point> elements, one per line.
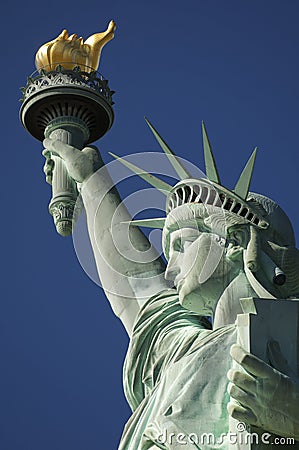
<point>67,99</point>
<point>63,204</point>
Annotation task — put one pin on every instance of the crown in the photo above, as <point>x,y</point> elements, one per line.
<point>71,51</point>
<point>207,191</point>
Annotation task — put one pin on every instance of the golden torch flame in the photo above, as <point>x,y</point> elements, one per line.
<point>71,51</point>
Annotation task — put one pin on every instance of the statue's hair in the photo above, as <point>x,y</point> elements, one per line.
<point>281,229</point>
<point>287,258</point>
<point>279,242</point>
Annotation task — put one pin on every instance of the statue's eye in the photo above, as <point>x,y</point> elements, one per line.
<point>181,244</point>
<point>178,245</point>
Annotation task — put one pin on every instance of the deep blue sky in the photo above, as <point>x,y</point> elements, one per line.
<point>233,64</point>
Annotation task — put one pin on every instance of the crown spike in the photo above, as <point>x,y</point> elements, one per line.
<point>176,164</point>
<point>149,223</point>
<point>211,169</point>
<point>242,185</point>
<point>148,177</point>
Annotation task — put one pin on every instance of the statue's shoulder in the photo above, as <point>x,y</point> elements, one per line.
<point>164,310</point>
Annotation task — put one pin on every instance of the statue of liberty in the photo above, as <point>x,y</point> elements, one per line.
<point>185,376</point>
<point>180,375</point>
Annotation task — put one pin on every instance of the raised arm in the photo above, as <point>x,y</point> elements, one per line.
<point>129,268</point>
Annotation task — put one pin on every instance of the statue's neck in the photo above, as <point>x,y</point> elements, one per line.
<point>228,306</point>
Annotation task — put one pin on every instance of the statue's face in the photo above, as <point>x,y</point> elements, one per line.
<point>199,267</point>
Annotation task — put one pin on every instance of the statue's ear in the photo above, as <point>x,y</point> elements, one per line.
<point>238,238</point>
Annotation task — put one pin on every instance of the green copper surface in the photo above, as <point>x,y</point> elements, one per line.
<point>149,223</point>
<point>211,169</point>
<point>178,167</point>
<point>148,177</point>
<point>242,186</point>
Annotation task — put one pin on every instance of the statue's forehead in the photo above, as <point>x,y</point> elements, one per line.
<point>185,231</point>
<point>197,217</point>
<point>186,226</point>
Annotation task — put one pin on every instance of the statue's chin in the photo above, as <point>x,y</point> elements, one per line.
<point>196,301</point>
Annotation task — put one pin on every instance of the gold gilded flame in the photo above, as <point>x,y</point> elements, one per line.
<point>71,51</point>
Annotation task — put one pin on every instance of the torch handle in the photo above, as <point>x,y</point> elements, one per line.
<point>63,205</point>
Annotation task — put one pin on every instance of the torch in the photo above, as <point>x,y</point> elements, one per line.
<point>67,99</point>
